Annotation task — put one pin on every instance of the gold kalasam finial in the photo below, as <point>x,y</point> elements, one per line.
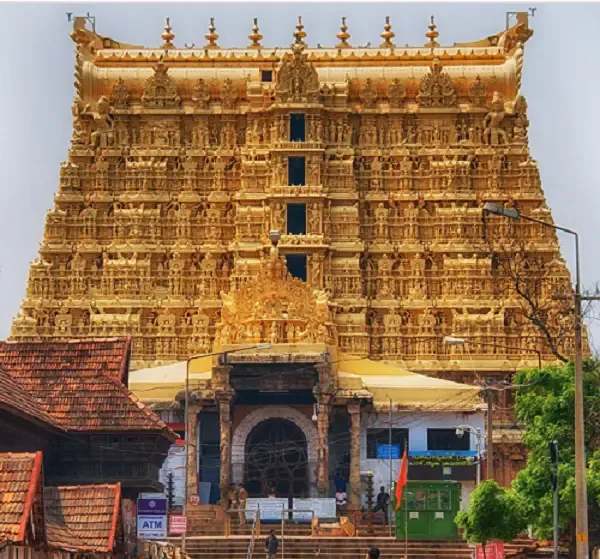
<point>432,34</point>
<point>343,36</point>
<point>167,36</point>
<point>255,36</point>
<point>387,35</point>
<point>299,34</point>
<point>211,36</point>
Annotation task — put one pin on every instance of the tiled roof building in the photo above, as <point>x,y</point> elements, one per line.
<point>14,398</point>
<point>21,485</point>
<point>83,518</point>
<point>69,399</point>
<point>81,383</point>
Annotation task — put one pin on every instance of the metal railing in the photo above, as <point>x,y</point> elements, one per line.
<point>253,533</point>
<point>283,520</point>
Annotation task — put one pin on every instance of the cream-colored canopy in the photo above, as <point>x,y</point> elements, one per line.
<point>386,380</point>
<point>381,380</point>
<point>157,384</point>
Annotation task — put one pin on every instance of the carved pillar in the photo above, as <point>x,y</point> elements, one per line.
<point>193,409</point>
<point>354,496</point>
<point>323,447</point>
<point>224,399</point>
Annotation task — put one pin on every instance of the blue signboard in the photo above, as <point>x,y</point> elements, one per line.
<point>152,517</point>
<point>383,451</point>
<point>463,453</point>
<point>156,507</point>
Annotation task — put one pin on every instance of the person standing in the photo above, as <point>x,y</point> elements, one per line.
<point>341,500</point>
<point>340,483</point>
<point>373,553</point>
<point>232,497</point>
<point>242,500</point>
<point>383,502</point>
<point>271,545</point>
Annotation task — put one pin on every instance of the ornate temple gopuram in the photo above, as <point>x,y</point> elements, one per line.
<point>325,203</point>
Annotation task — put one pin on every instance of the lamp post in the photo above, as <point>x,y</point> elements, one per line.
<point>453,340</point>
<point>581,513</point>
<point>460,431</point>
<point>185,409</point>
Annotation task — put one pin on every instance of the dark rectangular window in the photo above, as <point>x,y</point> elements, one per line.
<point>296,171</point>
<point>378,443</point>
<point>297,128</point>
<point>296,265</point>
<point>447,439</point>
<point>266,76</point>
<point>296,219</point>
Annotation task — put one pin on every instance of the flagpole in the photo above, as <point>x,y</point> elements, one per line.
<point>406,504</point>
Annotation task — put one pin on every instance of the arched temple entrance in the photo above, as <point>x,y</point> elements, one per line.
<point>276,460</point>
<point>253,433</point>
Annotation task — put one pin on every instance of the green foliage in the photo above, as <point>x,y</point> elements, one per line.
<point>546,407</point>
<point>494,513</point>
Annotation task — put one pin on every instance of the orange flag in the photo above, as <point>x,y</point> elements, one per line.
<point>402,479</point>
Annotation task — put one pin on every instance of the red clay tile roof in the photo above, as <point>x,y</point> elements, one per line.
<point>82,518</point>
<point>14,398</point>
<point>20,475</point>
<point>79,383</point>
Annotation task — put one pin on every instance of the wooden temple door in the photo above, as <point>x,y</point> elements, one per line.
<point>276,460</point>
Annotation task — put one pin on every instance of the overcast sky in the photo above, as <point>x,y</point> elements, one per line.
<point>561,82</point>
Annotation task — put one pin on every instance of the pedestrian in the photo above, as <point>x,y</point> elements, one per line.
<point>341,500</point>
<point>242,500</point>
<point>232,497</point>
<point>373,553</point>
<point>340,482</point>
<point>383,502</point>
<point>271,544</point>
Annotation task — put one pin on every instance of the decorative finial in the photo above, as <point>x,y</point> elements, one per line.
<point>299,34</point>
<point>432,35</point>
<point>167,36</point>
<point>343,36</point>
<point>255,36</point>
<point>211,36</point>
<point>387,35</point>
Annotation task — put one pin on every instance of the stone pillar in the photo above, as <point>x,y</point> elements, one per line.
<point>191,445</point>
<point>323,448</point>
<point>224,399</point>
<point>354,496</point>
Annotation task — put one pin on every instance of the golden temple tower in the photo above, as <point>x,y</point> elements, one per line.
<point>372,163</point>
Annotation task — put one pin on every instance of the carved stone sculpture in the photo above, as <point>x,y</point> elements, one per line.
<point>493,132</point>
<point>436,89</point>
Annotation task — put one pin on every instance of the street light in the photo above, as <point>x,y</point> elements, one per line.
<point>460,431</point>
<point>581,513</point>
<point>453,340</point>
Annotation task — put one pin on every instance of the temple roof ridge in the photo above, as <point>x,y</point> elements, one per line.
<point>502,42</point>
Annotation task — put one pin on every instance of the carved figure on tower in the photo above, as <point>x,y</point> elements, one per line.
<point>493,133</point>
<point>297,79</point>
<point>103,135</point>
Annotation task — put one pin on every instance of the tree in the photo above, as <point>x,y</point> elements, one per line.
<point>545,404</point>
<point>494,513</point>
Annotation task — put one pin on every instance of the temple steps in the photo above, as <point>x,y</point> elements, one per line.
<point>306,547</point>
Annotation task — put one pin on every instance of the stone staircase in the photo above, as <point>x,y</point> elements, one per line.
<point>207,540</point>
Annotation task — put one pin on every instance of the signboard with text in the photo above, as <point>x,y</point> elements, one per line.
<point>270,509</point>
<point>151,517</point>
<point>177,525</point>
<point>150,527</point>
<point>493,550</point>
<point>322,508</point>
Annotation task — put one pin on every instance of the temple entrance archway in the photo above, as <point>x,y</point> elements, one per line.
<point>250,431</point>
<point>276,460</point>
